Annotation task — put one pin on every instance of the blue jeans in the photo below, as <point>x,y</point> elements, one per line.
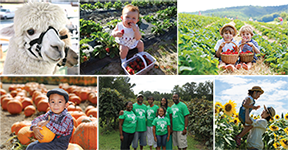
<point>139,136</point>
<point>161,140</point>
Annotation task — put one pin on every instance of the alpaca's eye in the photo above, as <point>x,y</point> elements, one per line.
<point>30,31</point>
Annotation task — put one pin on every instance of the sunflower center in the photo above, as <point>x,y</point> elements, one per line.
<point>228,107</point>
<point>274,127</point>
<point>285,141</point>
<point>235,121</point>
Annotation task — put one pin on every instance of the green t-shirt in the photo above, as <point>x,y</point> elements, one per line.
<point>161,125</point>
<point>140,111</point>
<point>178,112</point>
<point>168,112</point>
<point>151,114</point>
<point>129,123</point>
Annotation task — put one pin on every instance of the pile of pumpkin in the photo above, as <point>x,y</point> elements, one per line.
<point>85,122</point>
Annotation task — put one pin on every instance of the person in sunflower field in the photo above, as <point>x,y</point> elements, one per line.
<point>127,126</point>
<point>248,104</point>
<point>254,138</point>
<point>161,129</point>
<point>168,115</point>
<point>227,32</point>
<point>127,33</point>
<point>248,44</point>
<point>60,122</point>
<point>151,115</point>
<point>179,125</point>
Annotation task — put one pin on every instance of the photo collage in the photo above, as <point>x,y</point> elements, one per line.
<point>143,74</point>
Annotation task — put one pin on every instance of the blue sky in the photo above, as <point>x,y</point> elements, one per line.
<point>235,88</point>
<point>192,6</point>
<point>164,83</point>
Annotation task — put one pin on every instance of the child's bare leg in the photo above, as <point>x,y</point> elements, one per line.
<point>222,65</point>
<point>230,67</point>
<point>249,64</point>
<point>238,66</point>
<point>245,66</point>
<point>247,121</point>
<point>140,46</point>
<point>123,51</point>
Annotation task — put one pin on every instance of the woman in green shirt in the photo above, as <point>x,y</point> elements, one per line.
<point>127,126</point>
<point>164,103</point>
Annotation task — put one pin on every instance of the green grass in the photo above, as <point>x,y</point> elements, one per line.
<point>112,141</point>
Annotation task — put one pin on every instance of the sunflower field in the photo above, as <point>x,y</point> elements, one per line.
<point>227,126</point>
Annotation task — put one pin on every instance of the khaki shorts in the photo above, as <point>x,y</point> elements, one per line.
<point>179,140</point>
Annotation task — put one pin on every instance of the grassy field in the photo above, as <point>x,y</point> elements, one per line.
<point>112,141</point>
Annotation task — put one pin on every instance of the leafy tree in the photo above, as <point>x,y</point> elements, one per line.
<point>110,103</point>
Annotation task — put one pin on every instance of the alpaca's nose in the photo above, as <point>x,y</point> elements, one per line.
<point>58,46</point>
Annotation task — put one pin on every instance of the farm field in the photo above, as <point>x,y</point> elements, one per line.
<point>99,51</point>
<point>198,36</point>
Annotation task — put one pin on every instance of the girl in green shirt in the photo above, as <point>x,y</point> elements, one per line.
<point>164,103</point>
<point>161,129</point>
<point>127,126</point>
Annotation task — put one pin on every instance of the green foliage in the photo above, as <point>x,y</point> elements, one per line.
<point>201,120</point>
<point>110,103</point>
<point>118,5</point>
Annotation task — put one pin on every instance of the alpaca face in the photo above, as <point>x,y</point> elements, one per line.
<point>46,45</point>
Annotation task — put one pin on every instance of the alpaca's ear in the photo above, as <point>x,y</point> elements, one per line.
<point>7,31</point>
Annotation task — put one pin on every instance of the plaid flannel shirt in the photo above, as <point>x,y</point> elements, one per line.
<point>61,124</point>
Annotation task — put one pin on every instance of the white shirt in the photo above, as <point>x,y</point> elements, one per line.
<point>226,47</point>
<point>254,138</point>
<point>128,38</point>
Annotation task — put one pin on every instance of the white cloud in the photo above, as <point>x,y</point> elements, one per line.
<point>233,79</point>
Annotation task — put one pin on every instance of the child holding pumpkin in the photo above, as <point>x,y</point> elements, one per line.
<point>127,33</point>
<point>246,32</point>
<point>228,31</point>
<point>60,122</point>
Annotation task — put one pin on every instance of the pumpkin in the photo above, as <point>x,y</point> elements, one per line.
<point>18,125</point>
<point>72,146</point>
<point>88,108</point>
<point>4,96</point>
<point>80,119</point>
<point>75,122</point>
<point>74,128</point>
<point>71,88</point>
<point>14,107</point>
<point>92,112</point>
<point>35,93</point>
<point>22,94</point>
<point>85,135</point>
<point>29,110</point>
<point>12,87</point>
<point>83,94</point>
<point>74,108</point>
<point>2,92</point>
<point>42,105</point>
<point>14,93</point>
<point>48,135</point>
<point>75,99</point>
<point>76,114</point>
<point>26,102</point>
<point>5,102</point>
<point>93,98</point>
<point>24,135</point>
<point>39,98</point>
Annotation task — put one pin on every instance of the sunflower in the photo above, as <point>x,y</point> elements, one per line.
<point>255,117</point>
<point>276,145</point>
<point>286,117</point>
<point>251,116</point>
<point>218,104</point>
<point>271,119</point>
<point>284,143</point>
<point>275,137</point>
<point>286,130</point>
<point>277,117</point>
<point>235,121</point>
<point>274,128</point>
<point>230,108</point>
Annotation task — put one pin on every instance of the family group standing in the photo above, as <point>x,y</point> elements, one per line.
<point>159,125</point>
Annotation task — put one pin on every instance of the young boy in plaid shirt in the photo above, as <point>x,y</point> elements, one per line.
<point>60,123</point>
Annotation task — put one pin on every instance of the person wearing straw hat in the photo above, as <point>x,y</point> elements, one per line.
<point>247,44</point>
<point>228,31</point>
<point>254,139</point>
<point>248,104</point>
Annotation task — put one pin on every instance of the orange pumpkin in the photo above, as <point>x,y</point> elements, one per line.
<point>92,98</point>
<point>29,110</point>
<point>39,98</point>
<point>18,125</point>
<point>26,102</point>
<point>74,128</point>
<point>72,146</point>
<point>88,108</point>
<point>42,105</point>
<point>80,119</point>
<point>12,87</point>
<point>4,96</point>
<point>74,108</point>
<point>76,114</point>
<point>92,112</point>
<point>2,92</point>
<point>75,99</point>
<point>14,107</point>
<point>14,93</point>
<point>83,94</point>
<point>5,102</point>
<point>48,135</point>
<point>24,135</point>
<point>35,94</point>
<point>85,135</point>
<point>75,122</point>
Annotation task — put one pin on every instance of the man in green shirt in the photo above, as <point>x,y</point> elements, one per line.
<point>151,115</point>
<point>179,125</point>
<point>140,110</point>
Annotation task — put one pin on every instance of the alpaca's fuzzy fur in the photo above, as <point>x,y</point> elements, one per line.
<point>37,16</point>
